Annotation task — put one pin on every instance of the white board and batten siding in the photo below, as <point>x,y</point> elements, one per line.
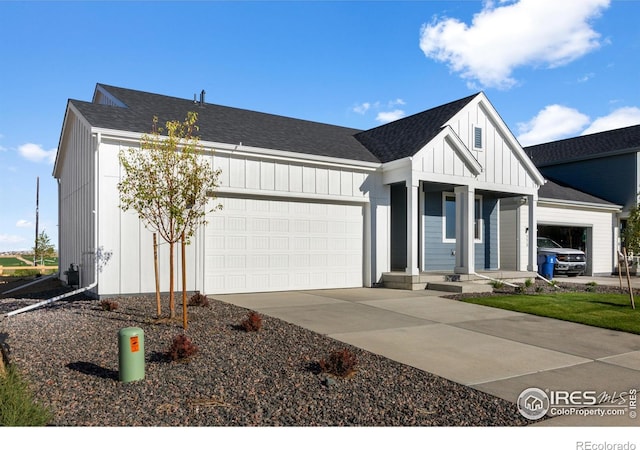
<point>284,226</point>
<point>504,165</point>
<point>77,199</point>
<point>128,245</point>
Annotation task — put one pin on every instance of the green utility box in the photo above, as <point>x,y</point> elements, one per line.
<point>131,354</point>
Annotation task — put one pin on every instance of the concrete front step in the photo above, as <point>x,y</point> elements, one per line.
<point>459,287</point>
<point>449,282</point>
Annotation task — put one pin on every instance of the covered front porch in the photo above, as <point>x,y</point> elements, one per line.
<point>446,233</point>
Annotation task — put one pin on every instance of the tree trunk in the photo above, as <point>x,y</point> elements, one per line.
<point>155,268</point>
<point>184,285</point>
<point>172,304</point>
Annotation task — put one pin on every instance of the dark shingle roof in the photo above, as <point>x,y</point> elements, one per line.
<point>556,190</point>
<point>405,137</point>
<point>585,147</point>
<point>226,125</point>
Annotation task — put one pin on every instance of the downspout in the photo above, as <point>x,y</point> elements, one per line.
<point>95,266</point>
<point>494,279</point>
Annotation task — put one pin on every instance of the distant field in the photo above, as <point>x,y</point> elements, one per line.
<point>10,261</point>
<point>51,261</point>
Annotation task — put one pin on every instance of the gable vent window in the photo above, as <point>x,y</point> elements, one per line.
<point>477,138</point>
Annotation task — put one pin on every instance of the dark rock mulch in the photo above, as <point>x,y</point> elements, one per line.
<point>68,351</point>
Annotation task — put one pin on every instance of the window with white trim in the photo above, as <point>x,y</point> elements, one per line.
<point>449,218</point>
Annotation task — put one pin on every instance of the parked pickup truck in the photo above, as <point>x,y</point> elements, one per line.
<point>569,261</point>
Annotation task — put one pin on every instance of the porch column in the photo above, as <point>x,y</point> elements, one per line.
<point>465,232</point>
<point>412,228</point>
<point>532,263</point>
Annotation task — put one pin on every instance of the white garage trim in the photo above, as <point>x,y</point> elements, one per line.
<point>259,244</point>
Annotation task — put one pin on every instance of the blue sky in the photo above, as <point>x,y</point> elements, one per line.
<point>553,69</point>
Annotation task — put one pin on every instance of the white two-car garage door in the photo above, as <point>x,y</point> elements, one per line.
<point>256,245</point>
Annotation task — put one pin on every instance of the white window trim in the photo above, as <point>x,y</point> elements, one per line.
<point>480,222</point>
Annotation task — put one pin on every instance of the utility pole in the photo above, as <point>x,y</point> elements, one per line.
<point>35,248</point>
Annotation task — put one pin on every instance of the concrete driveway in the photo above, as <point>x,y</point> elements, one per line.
<point>496,351</point>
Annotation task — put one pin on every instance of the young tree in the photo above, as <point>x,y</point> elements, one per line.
<point>631,231</point>
<point>43,248</point>
<point>168,184</point>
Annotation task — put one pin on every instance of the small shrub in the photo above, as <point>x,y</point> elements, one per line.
<point>181,348</point>
<point>341,363</point>
<point>253,322</point>
<point>199,299</point>
<point>109,305</point>
<point>497,284</point>
<point>528,283</point>
<point>18,407</point>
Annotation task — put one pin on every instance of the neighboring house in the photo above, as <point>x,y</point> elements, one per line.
<point>605,165</point>
<point>305,205</point>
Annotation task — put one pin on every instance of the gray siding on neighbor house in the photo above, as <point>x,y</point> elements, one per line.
<point>613,178</point>
<point>439,255</point>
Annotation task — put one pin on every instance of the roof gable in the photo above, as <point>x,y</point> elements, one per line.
<point>407,136</point>
<point>605,143</point>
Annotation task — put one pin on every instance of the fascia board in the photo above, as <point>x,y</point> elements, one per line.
<point>581,205</point>
<point>254,152</point>
<point>70,111</point>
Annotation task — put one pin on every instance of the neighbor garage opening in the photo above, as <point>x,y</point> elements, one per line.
<point>570,236</point>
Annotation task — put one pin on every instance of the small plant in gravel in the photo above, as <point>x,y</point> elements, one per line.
<point>528,283</point>
<point>181,348</point>
<point>342,363</point>
<point>497,284</point>
<point>17,406</point>
<point>109,305</point>
<point>199,299</point>
<point>253,322</point>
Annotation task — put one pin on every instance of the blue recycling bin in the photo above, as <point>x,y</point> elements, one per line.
<point>545,265</point>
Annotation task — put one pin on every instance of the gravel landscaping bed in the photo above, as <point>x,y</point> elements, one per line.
<point>68,351</point>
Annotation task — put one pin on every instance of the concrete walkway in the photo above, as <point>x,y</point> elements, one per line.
<point>492,350</point>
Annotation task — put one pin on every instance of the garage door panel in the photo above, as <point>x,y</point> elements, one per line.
<point>257,245</point>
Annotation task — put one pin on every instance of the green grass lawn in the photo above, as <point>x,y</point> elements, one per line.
<point>612,311</point>
<point>7,261</point>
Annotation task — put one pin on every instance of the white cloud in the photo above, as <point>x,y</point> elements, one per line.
<point>35,152</point>
<point>23,223</point>
<point>396,102</point>
<point>556,122</point>
<point>552,123</point>
<point>362,108</point>
<point>620,118</point>
<point>500,39</point>
<point>586,77</point>
<point>390,116</point>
